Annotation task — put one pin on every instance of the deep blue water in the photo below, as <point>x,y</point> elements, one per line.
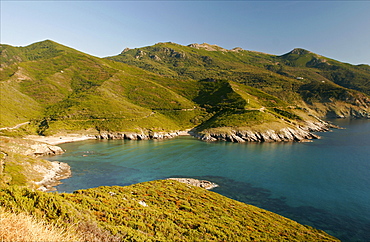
<point>325,183</point>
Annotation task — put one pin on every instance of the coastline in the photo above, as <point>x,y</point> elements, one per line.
<point>60,171</point>
<point>56,140</point>
<point>61,139</point>
<point>53,175</point>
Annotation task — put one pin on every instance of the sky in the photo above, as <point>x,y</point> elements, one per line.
<point>336,29</point>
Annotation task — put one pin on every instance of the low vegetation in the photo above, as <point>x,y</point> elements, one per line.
<point>156,211</point>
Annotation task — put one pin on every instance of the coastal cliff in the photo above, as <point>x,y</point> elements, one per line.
<point>298,133</point>
<point>294,133</point>
<point>139,136</point>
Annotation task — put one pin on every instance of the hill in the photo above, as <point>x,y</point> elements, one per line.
<point>156,211</point>
<point>67,90</point>
<point>220,94</point>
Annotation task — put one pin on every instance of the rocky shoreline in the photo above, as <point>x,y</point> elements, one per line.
<point>40,174</point>
<point>302,133</point>
<point>140,136</point>
<point>297,134</point>
<point>52,176</point>
<point>59,170</point>
<point>51,173</point>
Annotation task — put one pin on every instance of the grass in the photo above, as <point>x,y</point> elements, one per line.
<point>24,228</point>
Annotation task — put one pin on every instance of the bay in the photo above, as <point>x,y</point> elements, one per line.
<point>325,183</point>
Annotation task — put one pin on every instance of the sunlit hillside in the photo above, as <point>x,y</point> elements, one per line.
<point>169,87</point>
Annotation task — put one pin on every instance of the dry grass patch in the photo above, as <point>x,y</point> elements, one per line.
<point>22,227</point>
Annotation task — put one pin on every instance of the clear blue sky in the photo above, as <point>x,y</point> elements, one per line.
<point>335,29</point>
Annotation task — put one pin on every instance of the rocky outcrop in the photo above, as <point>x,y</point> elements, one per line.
<point>155,57</point>
<point>195,182</point>
<point>298,134</point>
<point>138,136</point>
<point>208,47</point>
<point>38,173</point>
<point>52,175</point>
<point>41,149</point>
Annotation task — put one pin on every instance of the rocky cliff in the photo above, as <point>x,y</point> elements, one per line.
<point>138,136</point>
<point>294,133</point>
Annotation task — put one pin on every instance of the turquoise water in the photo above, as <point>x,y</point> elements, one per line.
<point>325,183</point>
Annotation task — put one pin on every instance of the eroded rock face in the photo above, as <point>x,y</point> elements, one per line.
<point>298,134</point>
<point>138,136</point>
<point>52,175</point>
<point>287,134</point>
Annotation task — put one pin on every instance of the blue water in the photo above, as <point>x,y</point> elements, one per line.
<point>325,183</point>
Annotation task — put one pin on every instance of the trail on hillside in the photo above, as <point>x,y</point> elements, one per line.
<point>15,127</point>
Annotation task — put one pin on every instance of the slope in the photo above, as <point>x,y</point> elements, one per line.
<point>346,75</point>
<point>289,77</point>
<point>159,211</point>
<point>63,89</point>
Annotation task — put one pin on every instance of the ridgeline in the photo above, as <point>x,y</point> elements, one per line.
<point>219,94</point>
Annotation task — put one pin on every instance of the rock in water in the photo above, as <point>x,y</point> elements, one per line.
<point>195,182</point>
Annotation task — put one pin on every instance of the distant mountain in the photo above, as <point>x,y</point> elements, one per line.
<point>235,95</point>
<point>346,75</point>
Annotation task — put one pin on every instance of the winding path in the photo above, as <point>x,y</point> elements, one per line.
<point>15,127</point>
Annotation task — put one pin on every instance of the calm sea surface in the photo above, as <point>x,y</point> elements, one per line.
<point>325,183</point>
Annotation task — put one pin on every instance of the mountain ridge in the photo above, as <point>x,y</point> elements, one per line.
<point>169,87</point>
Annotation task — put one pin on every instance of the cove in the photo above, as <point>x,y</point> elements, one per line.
<point>324,184</point>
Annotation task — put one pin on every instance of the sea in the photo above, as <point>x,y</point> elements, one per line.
<point>324,183</point>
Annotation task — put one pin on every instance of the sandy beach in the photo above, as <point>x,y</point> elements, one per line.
<point>55,140</point>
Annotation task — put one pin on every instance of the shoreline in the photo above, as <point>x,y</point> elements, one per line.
<point>56,140</point>
<point>52,176</point>
<point>61,139</point>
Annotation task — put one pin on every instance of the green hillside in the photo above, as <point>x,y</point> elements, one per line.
<point>301,78</point>
<point>157,211</point>
<point>66,90</point>
<point>169,87</point>
<point>343,74</point>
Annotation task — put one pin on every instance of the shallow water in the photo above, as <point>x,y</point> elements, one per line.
<point>325,183</point>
